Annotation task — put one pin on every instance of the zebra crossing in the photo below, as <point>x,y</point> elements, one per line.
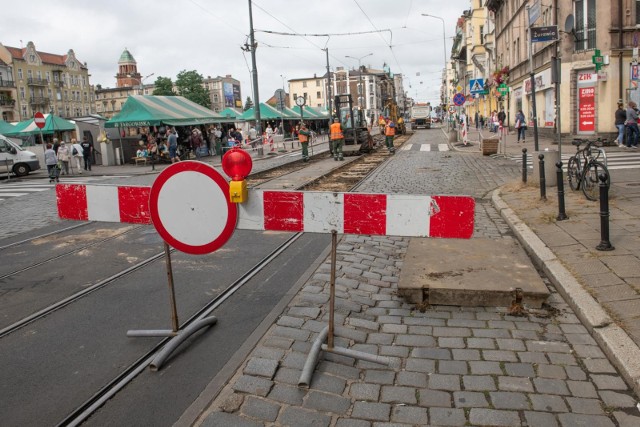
<point>9,189</point>
<point>615,160</point>
<point>425,147</point>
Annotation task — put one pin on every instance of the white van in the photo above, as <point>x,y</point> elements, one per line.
<point>19,160</point>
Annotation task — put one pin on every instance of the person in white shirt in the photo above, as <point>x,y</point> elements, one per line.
<point>76,153</point>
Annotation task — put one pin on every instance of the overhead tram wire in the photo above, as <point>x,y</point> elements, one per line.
<point>376,28</point>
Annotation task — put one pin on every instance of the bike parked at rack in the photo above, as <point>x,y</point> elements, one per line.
<point>585,166</point>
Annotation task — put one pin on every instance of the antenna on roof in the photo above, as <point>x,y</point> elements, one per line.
<point>20,43</point>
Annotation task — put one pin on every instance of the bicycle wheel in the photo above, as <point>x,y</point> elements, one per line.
<point>590,181</point>
<point>573,172</point>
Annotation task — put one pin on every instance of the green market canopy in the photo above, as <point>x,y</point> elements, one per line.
<point>308,113</point>
<point>6,127</point>
<point>149,110</point>
<point>52,124</point>
<point>231,114</point>
<point>267,112</point>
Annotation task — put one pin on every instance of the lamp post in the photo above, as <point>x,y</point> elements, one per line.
<point>444,43</point>
<point>141,81</point>
<point>360,95</point>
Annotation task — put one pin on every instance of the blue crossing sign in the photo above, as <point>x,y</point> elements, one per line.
<point>476,86</point>
<point>458,99</point>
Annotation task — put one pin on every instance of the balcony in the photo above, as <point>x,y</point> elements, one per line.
<point>7,102</point>
<point>7,83</point>
<point>38,100</point>
<point>34,81</point>
<point>58,83</point>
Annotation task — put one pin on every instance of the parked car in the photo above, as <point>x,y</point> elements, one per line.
<point>16,158</point>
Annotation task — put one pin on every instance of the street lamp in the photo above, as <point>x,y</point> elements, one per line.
<point>360,95</point>
<point>141,81</point>
<point>444,43</point>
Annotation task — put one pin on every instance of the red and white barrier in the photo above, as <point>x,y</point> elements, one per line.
<point>294,211</point>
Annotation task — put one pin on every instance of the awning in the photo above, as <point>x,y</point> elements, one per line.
<point>267,112</point>
<point>52,124</point>
<point>308,113</point>
<point>231,114</point>
<point>6,127</point>
<point>149,110</point>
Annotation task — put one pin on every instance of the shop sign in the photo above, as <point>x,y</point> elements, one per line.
<point>587,77</point>
<point>543,81</point>
<point>586,109</point>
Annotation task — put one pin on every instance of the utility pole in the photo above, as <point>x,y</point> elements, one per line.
<point>328,83</point>
<point>254,73</point>
<point>533,86</point>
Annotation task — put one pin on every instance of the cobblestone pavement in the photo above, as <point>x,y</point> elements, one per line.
<point>450,366</point>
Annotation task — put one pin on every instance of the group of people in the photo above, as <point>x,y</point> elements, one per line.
<point>626,120</point>
<point>59,155</point>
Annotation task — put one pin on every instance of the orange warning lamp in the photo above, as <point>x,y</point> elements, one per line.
<point>237,164</point>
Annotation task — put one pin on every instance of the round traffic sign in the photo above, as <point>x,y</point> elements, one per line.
<point>38,119</point>
<point>190,208</point>
<point>458,99</point>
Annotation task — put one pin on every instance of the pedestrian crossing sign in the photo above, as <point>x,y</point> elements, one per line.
<point>476,86</point>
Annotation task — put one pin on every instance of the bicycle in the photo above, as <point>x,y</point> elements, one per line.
<point>584,167</point>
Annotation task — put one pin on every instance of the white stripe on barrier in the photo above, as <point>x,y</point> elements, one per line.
<point>323,212</point>
<point>102,203</point>
<point>408,215</point>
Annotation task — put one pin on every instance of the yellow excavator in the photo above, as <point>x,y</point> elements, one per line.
<point>391,111</point>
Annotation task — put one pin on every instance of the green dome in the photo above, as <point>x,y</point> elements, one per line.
<point>126,57</point>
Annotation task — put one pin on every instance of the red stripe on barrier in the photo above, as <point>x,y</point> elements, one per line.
<point>365,214</point>
<point>453,217</point>
<point>72,202</point>
<point>283,211</point>
<point>134,205</point>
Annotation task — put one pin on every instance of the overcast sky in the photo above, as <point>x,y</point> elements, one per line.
<point>168,36</point>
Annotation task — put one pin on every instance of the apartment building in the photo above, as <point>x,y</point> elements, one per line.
<point>39,81</point>
<point>224,92</point>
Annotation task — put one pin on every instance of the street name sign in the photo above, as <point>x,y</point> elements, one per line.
<point>544,34</point>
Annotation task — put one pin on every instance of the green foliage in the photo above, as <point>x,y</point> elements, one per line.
<point>189,85</point>
<point>248,104</point>
<point>163,86</point>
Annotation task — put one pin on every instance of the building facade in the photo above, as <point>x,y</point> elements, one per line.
<point>8,93</point>
<point>224,92</point>
<point>44,82</point>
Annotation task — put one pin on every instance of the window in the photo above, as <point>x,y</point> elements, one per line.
<point>481,34</point>
<point>48,77</point>
<point>295,95</point>
<point>585,13</point>
<point>29,74</point>
<point>318,83</point>
<point>318,94</point>
<point>22,93</point>
<point>20,73</point>
<point>24,111</point>
<point>305,95</point>
<point>304,84</point>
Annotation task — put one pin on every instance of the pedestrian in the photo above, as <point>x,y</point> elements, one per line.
<point>195,141</point>
<point>64,156</point>
<point>632,125</point>
<point>172,141</point>
<point>51,160</point>
<point>520,125</point>
<point>621,118</point>
<point>336,136</point>
<point>303,137</point>
<point>253,136</point>
<point>502,118</point>
<point>476,120</point>
<point>76,152</point>
<point>389,133</point>
<point>217,133</point>
<point>87,151</point>
<point>56,145</point>
<point>481,121</point>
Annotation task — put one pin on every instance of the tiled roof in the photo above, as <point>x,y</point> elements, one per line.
<point>47,58</point>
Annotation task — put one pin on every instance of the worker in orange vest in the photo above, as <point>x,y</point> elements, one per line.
<point>303,137</point>
<point>390,132</point>
<point>336,137</point>
<point>381,124</point>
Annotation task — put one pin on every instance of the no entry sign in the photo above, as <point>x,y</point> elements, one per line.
<point>190,208</point>
<point>38,119</point>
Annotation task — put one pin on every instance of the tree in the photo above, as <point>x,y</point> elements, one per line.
<point>189,85</point>
<point>248,104</point>
<point>163,86</point>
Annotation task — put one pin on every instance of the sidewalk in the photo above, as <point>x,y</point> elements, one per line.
<point>451,365</point>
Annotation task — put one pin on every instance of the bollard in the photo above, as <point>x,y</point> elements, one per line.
<point>524,165</point>
<point>605,244</point>
<point>562,215</point>
<point>543,183</point>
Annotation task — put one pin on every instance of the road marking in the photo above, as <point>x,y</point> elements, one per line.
<point>443,147</point>
<point>425,147</point>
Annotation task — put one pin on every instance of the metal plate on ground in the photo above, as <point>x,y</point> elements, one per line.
<point>471,273</point>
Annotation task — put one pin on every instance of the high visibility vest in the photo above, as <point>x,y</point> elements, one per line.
<point>390,131</point>
<point>302,138</point>
<point>335,131</point>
